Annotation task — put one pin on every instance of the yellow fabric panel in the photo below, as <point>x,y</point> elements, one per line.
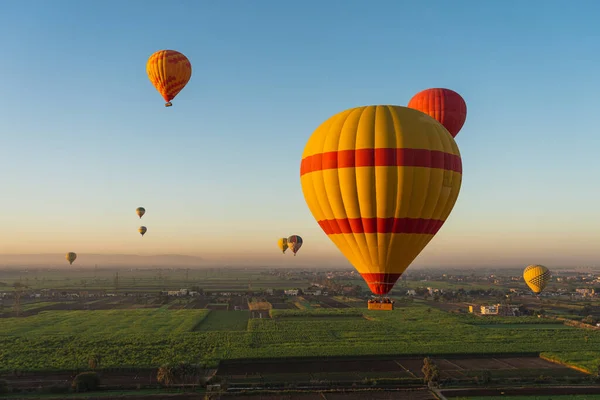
<point>382,260</point>
<point>383,192</point>
<point>402,126</point>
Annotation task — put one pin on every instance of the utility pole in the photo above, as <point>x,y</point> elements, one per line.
<point>117,280</point>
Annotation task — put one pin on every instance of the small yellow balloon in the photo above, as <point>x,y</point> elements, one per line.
<point>71,257</point>
<point>536,277</point>
<point>283,244</point>
<point>140,211</point>
<point>142,230</point>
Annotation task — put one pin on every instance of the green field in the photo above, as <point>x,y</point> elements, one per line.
<point>224,321</point>
<point>102,323</point>
<point>150,337</point>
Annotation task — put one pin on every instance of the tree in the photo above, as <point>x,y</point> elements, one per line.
<point>430,371</point>
<point>165,375</point>
<point>86,382</point>
<point>94,361</point>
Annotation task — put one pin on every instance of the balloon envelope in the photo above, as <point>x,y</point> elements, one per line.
<point>142,230</point>
<point>140,211</point>
<point>169,71</point>
<point>71,257</point>
<point>294,243</point>
<point>283,245</point>
<point>381,181</point>
<point>536,277</point>
<point>445,105</point>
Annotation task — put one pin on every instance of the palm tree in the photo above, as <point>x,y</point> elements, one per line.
<point>165,375</point>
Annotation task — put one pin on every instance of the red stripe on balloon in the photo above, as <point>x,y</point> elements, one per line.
<point>381,225</point>
<point>380,284</point>
<point>381,157</point>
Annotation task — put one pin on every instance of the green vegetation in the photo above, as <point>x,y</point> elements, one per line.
<point>332,312</point>
<point>151,337</point>
<point>224,321</point>
<point>33,306</point>
<point>527,326</point>
<point>102,323</point>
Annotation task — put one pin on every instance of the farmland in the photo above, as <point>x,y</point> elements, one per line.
<point>63,340</point>
<point>244,328</point>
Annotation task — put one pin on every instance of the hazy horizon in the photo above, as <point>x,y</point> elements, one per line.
<point>86,138</point>
<point>56,260</point>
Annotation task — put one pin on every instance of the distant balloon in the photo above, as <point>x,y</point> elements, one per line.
<point>536,277</point>
<point>294,243</point>
<point>445,105</point>
<point>142,230</point>
<point>381,181</point>
<point>71,257</point>
<point>283,245</point>
<point>140,211</point>
<point>169,71</point>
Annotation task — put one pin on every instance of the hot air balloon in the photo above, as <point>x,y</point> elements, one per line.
<point>142,230</point>
<point>283,244</point>
<point>169,71</point>
<point>140,211</point>
<point>536,277</point>
<point>381,181</point>
<point>294,243</point>
<point>445,105</point>
<point>71,257</point>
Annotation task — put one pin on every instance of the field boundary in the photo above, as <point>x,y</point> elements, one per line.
<point>555,361</point>
<point>387,357</point>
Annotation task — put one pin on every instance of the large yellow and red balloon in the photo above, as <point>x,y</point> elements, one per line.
<point>169,71</point>
<point>445,105</point>
<point>381,181</point>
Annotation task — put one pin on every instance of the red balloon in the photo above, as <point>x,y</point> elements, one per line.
<point>445,105</point>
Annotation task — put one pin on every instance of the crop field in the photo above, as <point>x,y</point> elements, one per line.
<point>63,340</point>
<point>211,279</point>
<point>394,369</point>
<point>224,321</point>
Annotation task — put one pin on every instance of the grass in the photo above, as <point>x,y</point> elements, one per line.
<point>103,323</point>
<point>33,306</point>
<point>527,326</point>
<point>150,337</point>
<point>224,321</point>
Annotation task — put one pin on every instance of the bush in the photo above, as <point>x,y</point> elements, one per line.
<point>86,382</point>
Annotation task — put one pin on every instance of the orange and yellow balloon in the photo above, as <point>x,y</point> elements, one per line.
<point>140,211</point>
<point>536,277</point>
<point>142,230</point>
<point>169,71</point>
<point>71,257</point>
<point>445,105</point>
<point>381,181</point>
<point>283,245</point>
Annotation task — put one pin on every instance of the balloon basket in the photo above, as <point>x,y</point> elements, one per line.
<point>169,104</point>
<point>381,306</point>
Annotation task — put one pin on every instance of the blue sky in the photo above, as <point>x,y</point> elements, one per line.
<point>85,138</point>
